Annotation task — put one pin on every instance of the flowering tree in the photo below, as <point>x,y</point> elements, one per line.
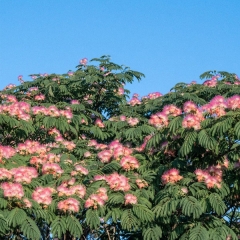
<point>79,161</point>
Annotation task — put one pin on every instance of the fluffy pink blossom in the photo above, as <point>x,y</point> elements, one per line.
<point>69,205</point>
<point>105,156</point>
<point>129,163</point>
<point>39,97</point>
<point>24,174</point>
<point>118,182</point>
<point>191,121</point>
<point>12,190</point>
<point>171,176</point>
<point>43,195</point>
<point>171,110</point>
<point>99,123</point>
<point>141,183</point>
<point>74,102</point>
<point>51,168</point>
<point>81,169</point>
<point>97,199</point>
<point>130,199</point>
<point>84,61</point>
<point>159,120</point>
<point>132,121</point>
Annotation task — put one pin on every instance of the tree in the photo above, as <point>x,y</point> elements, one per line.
<point>80,161</point>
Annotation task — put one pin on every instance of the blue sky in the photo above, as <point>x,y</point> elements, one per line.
<point>169,41</point>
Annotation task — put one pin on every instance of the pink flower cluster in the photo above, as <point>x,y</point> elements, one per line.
<point>129,163</point>
<point>118,182</point>
<point>69,205</point>
<point>130,199</point>
<point>159,120</point>
<point>154,95</point>
<point>212,82</point>
<point>132,121</point>
<point>99,198</point>
<point>31,147</point>
<point>79,169</point>
<point>17,109</point>
<point>141,183</point>
<point>143,146</point>
<point>233,102</point>
<point>216,107</point>
<point>39,97</point>
<point>6,152</point>
<point>44,158</point>
<point>194,116</point>
<point>5,174</point>
<point>12,190</point>
<point>171,176</point>
<point>115,181</point>
<point>59,139</point>
<point>171,110</point>
<point>134,101</point>
<point>212,176</point>
<point>83,61</point>
<point>43,195</point>
<point>115,150</point>
<point>9,86</point>
<point>99,123</point>
<point>27,203</point>
<point>24,174</point>
<point>52,168</point>
<point>120,91</point>
<point>74,102</point>
<point>67,189</point>
<point>52,111</point>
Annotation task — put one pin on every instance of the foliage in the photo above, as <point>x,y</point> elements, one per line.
<point>77,160</point>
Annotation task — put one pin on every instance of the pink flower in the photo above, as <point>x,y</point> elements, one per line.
<point>171,176</point>
<point>132,121</point>
<point>43,195</point>
<point>120,91</point>
<point>118,182</point>
<point>12,190</point>
<point>130,199</point>
<point>74,102</point>
<point>129,163</point>
<point>105,156</point>
<point>81,169</point>
<point>99,123</point>
<point>84,61</point>
<point>171,110</point>
<point>69,205</point>
<point>159,120</point>
<point>39,97</point>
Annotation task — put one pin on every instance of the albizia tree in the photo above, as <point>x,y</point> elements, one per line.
<point>79,161</point>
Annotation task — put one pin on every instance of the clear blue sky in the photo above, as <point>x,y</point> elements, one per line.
<point>169,41</point>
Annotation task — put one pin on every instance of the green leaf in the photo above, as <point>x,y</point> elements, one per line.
<point>74,226</point>
<point>129,221</point>
<point>143,213</point>
<point>58,227</point>
<point>206,140</point>
<point>198,233</point>
<point>189,140</point>
<point>217,203</point>
<point>191,207</point>
<point>16,217</point>
<point>92,219</point>
<point>30,229</point>
<point>152,233</point>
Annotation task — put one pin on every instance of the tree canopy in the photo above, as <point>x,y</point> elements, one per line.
<point>78,160</point>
